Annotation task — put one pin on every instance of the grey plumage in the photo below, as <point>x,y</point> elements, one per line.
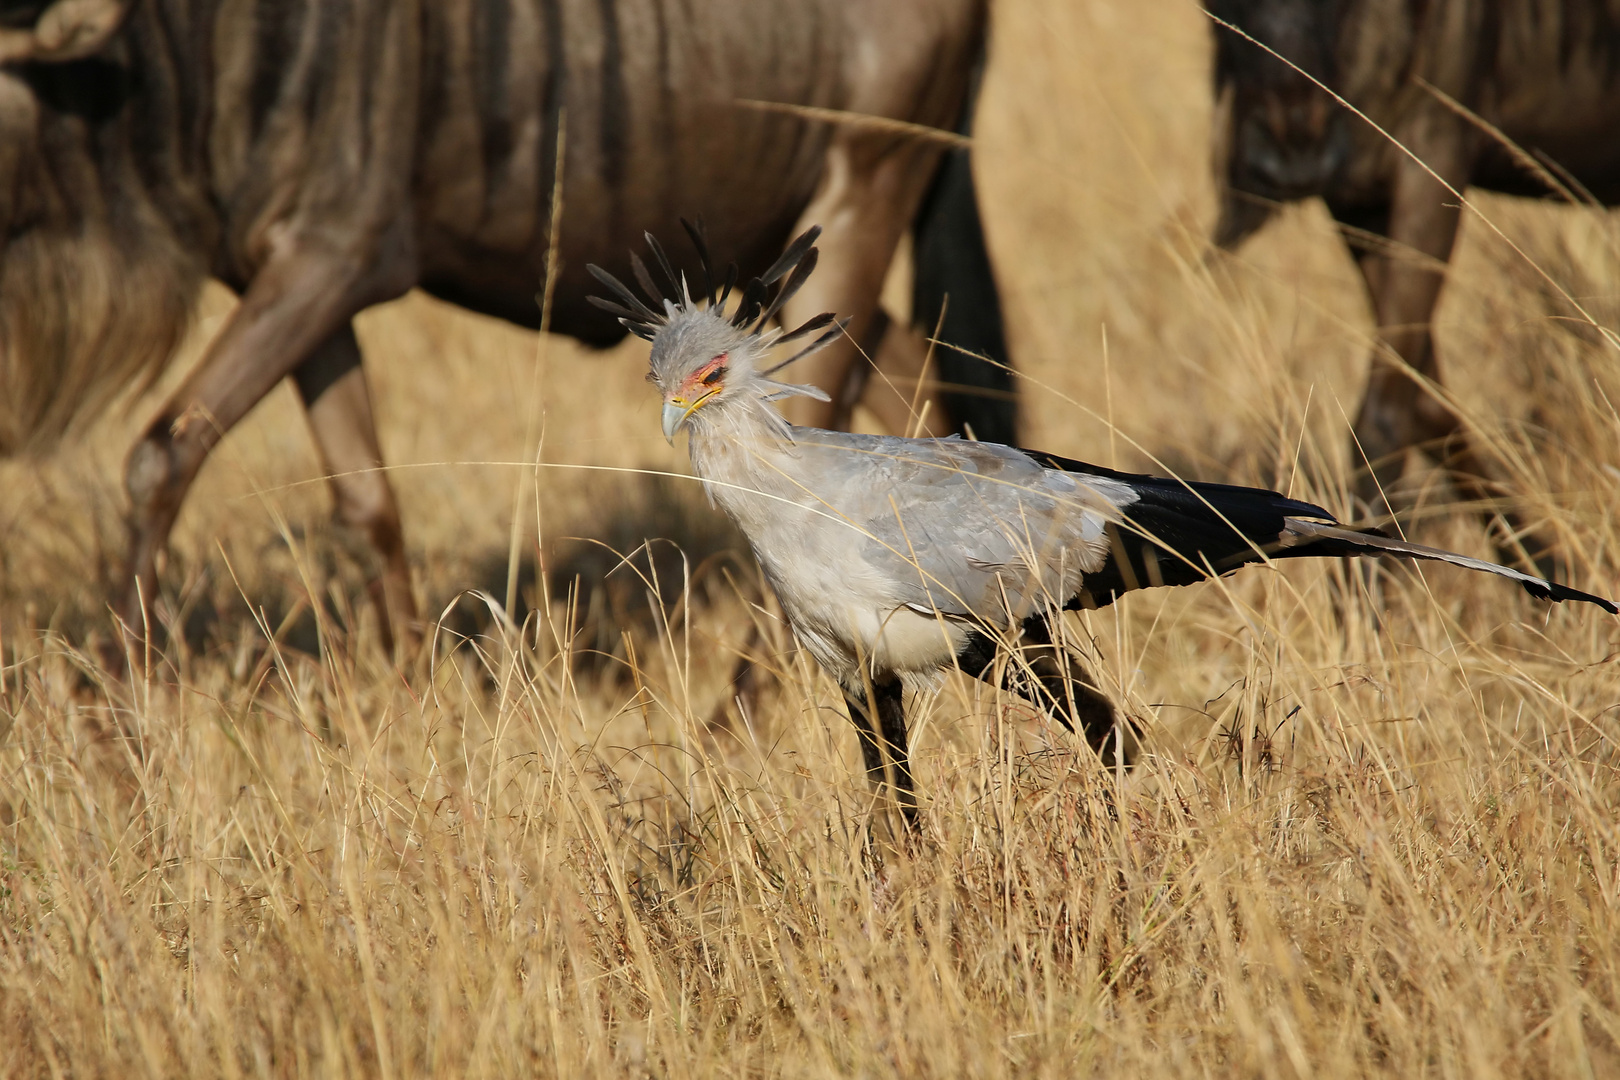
<point>895,559</point>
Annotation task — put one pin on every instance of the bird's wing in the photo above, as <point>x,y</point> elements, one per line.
<point>975,530</point>
<point>1176,532</point>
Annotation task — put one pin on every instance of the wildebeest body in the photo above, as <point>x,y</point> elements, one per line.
<point>319,156</point>
<point>653,133</point>
<point>453,121</point>
<point>1545,74</point>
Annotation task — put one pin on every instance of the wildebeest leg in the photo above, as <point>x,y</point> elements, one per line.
<point>1398,413</point>
<point>868,196</point>
<point>899,360</point>
<point>881,719</point>
<point>332,384</point>
<point>1366,233</point>
<point>294,303</point>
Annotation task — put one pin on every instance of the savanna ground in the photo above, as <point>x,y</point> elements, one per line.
<point>1374,832</point>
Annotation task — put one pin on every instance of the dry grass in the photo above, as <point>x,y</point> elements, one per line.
<point>1376,833</point>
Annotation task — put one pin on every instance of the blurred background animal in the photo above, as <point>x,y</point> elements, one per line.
<point>322,158</point>
<point>1516,96</point>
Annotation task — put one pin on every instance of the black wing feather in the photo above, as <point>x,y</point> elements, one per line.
<point>1178,532</point>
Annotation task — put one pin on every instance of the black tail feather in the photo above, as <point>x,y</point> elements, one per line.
<point>1179,532</point>
<point>1318,538</point>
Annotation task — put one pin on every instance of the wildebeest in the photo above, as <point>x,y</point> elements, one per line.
<point>320,156</point>
<point>1545,74</point>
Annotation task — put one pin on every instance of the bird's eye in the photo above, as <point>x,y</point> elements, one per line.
<point>714,376</point>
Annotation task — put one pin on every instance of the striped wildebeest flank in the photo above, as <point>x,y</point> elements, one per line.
<point>1545,74</point>
<point>321,156</point>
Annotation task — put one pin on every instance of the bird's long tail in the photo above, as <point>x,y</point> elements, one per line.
<point>1177,532</point>
<point>1301,537</point>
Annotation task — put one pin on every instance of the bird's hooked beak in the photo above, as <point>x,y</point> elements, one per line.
<point>675,414</point>
<point>676,411</point>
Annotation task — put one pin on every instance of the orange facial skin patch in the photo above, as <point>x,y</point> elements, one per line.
<point>706,379</point>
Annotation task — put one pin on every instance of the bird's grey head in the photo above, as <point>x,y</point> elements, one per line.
<point>706,359</point>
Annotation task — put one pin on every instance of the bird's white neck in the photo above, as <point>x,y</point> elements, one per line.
<point>741,449</point>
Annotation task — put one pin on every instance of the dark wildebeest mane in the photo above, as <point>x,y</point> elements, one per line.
<point>96,288</point>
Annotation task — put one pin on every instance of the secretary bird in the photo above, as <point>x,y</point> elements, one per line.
<point>897,559</point>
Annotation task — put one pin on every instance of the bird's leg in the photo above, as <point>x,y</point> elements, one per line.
<point>891,711</point>
<point>878,712</point>
<point>1046,675</point>
<point>866,730</point>
<point>1065,688</point>
<point>743,688</point>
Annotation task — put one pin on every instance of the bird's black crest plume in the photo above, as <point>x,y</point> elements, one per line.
<point>795,252</point>
<point>752,302</point>
<point>636,316</point>
<point>809,326</point>
<point>694,230</point>
<point>756,307</point>
<point>645,280</point>
<point>731,283</point>
<point>795,282</point>
<point>663,263</point>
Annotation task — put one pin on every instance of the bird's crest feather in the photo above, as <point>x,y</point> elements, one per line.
<point>756,307</point>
